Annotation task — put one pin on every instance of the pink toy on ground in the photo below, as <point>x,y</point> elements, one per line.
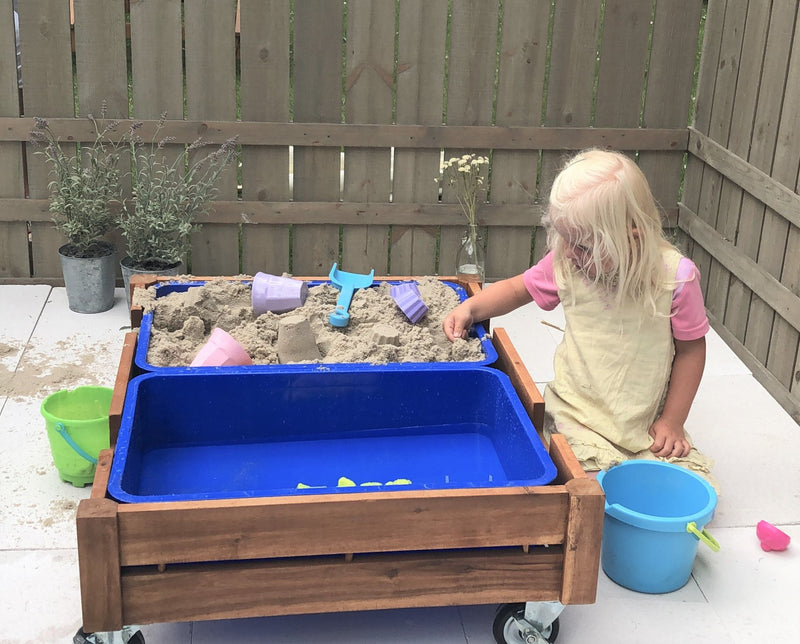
<point>221,350</point>
<point>771,537</point>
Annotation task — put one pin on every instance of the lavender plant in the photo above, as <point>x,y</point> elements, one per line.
<point>84,186</point>
<point>168,196</point>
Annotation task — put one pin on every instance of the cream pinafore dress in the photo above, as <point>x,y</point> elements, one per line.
<point>611,375</point>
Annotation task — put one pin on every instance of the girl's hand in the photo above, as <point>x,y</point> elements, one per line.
<point>669,440</point>
<point>458,322</point>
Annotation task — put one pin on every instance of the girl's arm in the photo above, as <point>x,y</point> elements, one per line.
<point>667,431</point>
<point>498,299</point>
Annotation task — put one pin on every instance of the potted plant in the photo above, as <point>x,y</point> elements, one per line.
<point>168,196</point>
<point>82,190</point>
<point>466,176</point>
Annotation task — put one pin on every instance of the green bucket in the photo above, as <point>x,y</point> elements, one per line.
<point>77,426</point>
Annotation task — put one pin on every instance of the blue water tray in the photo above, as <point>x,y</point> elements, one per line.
<point>176,286</point>
<point>220,435</point>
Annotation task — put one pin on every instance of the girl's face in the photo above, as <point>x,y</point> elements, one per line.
<point>579,249</point>
<point>581,257</point>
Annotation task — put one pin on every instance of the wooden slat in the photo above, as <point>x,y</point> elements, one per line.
<point>102,473</point>
<point>236,529</point>
<point>669,89</point>
<point>573,56</point>
<point>471,74</point>
<point>157,66</point>
<point>98,562</point>
<point>100,58</point>
<point>46,49</point>
<point>125,372</point>
<point>323,135</point>
<point>623,59</point>
<point>776,234</point>
<point>750,64</point>
<point>13,235</point>
<point>564,459</point>
<point>102,72</point>
<point>582,544</point>
<point>369,93</point>
<point>210,53</point>
<point>156,59</point>
<point>368,582</point>
<point>264,54</point>
<point>762,151</point>
<point>519,103</point>
<point>420,90</point>
<point>317,98</point>
<point>709,61</point>
<point>731,125</point>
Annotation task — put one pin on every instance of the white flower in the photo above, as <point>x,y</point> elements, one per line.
<point>465,175</point>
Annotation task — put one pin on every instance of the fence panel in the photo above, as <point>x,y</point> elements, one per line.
<point>369,94</point>
<point>742,181</point>
<point>762,149</point>
<point>695,167</point>
<point>520,91</point>
<point>720,129</point>
<point>669,89</point>
<point>737,295</point>
<point>100,56</point>
<point>210,47</point>
<point>570,90</point>
<point>44,31</point>
<point>156,63</point>
<point>470,95</point>
<point>778,244</point>
<point>13,234</point>
<point>420,95</point>
<point>317,99</point>
<point>264,55</point>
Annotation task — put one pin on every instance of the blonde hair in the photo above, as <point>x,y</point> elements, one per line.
<point>602,200</point>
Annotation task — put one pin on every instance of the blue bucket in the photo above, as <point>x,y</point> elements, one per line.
<point>655,515</point>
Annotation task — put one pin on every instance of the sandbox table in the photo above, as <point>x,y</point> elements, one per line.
<point>218,559</point>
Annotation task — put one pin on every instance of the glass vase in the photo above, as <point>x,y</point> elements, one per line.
<point>470,259</point>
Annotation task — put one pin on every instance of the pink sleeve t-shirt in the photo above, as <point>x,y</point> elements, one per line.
<point>688,314</point>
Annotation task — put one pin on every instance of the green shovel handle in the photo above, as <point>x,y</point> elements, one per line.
<point>706,538</point>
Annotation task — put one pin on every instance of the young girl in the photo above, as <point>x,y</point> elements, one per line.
<point>633,351</point>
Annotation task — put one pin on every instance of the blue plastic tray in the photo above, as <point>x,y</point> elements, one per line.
<point>174,286</point>
<point>220,435</point>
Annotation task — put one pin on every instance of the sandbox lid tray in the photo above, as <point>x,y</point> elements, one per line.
<point>219,435</point>
<point>165,287</point>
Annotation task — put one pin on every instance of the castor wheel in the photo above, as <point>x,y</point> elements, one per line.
<point>82,637</point>
<point>506,628</point>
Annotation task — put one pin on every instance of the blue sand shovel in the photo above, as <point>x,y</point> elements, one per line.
<point>347,283</point>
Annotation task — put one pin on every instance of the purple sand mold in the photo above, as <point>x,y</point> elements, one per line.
<point>407,297</point>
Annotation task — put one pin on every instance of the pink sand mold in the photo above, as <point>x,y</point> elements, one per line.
<point>221,350</point>
<point>407,297</point>
<point>771,537</point>
<point>277,294</point>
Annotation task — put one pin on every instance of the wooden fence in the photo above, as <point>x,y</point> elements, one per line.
<point>740,208</point>
<point>345,109</point>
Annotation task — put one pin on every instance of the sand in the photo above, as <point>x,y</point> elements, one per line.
<point>183,321</point>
